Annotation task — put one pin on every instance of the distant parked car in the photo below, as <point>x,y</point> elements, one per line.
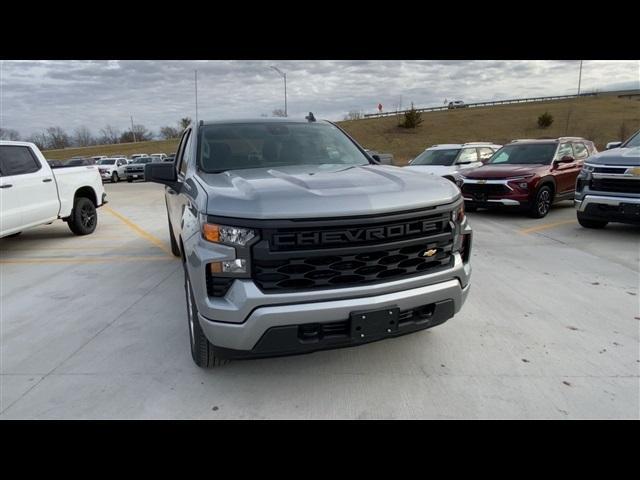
<point>457,104</point>
<point>161,156</point>
<point>55,163</point>
<point>79,162</point>
<point>97,158</point>
<point>135,156</point>
<point>112,169</point>
<point>382,158</point>
<point>170,158</point>
<point>446,160</point>
<point>135,170</point>
<point>530,174</point>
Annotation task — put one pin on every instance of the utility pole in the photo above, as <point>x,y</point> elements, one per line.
<point>566,128</point>
<point>580,79</point>
<point>284,76</point>
<point>196,72</point>
<point>133,132</point>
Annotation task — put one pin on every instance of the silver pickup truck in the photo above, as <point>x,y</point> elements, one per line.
<point>293,240</point>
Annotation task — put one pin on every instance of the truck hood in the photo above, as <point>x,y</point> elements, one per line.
<point>503,171</point>
<point>309,191</point>
<point>617,156</point>
<point>433,169</point>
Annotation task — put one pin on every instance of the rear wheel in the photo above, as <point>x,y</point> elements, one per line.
<point>542,203</point>
<point>590,223</point>
<point>201,348</point>
<point>84,217</point>
<point>114,177</point>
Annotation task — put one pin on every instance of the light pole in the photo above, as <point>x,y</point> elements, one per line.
<point>284,77</point>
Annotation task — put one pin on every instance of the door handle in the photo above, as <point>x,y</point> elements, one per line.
<point>46,180</point>
<point>6,185</point>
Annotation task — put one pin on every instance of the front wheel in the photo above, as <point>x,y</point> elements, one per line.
<point>590,223</point>
<point>114,177</point>
<point>542,203</point>
<point>201,348</point>
<point>84,217</point>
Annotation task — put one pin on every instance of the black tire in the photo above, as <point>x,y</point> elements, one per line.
<point>84,217</point>
<point>114,177</point>
<point>590,223</point>
<point>130,180</point>
<point>201,348</point>
<point>542,203</point>
<point>175,248</point>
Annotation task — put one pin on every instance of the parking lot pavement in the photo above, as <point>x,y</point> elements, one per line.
<point>95,327</point>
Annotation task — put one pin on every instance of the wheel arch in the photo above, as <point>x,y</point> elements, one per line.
<point>86,192</point>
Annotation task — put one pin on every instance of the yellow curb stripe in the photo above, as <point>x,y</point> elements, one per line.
<point>144,234</point>
<point>545,226</point>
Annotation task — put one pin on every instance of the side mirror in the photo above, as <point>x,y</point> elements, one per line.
<point>611,145</point>
<point>376,158</point>
<point>567,159</point>
<point>164,173</point>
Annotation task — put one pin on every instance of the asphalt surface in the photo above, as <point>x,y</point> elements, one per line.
<point>95,327</point>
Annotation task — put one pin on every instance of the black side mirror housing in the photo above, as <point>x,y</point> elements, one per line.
<point>164,173</point>
<point>376,158</point>
<point>567,159</point>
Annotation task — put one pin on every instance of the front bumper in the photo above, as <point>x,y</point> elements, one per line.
<point>274,330</point>
<point>609,207</point>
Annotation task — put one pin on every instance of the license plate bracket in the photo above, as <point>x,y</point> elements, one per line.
<point>374,323</point>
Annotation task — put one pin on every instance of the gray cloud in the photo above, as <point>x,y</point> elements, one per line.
<point>35,95</point>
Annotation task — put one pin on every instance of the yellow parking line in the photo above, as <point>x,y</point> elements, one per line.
<point>545,226</point>
<point>144,234</point>
<point>45,260</point>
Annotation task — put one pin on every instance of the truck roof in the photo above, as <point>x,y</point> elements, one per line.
<point>260,120</point>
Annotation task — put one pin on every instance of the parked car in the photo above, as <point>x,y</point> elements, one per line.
<point>170,158</point>
<point>79,162</point>
<point>608,187</point>
<point>530,174</point>
<point>135,170</point>
<point>55,163</point>
<point>161,156</point>
<point>457,104</point>
<point>306,245</point>
<point>380,158</point>
<point>32,194</point>
<point>97,158</point>
<point>112,169</point>
<point>447,160</point>
<point>135,156</point>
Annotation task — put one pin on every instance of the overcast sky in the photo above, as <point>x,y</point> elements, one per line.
<point>35,95</point>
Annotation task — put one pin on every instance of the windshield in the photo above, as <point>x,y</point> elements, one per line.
<point>72,163</point>
<point>107,162</point>
<point>436,157</point>
<point>633,141</point>
<point>143,160</point>
<point>541,153</point>
<point>255,145</point>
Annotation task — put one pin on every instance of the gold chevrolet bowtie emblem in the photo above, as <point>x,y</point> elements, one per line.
<point>635,171</point>
<point>430,253</point>
<point>482,182</point>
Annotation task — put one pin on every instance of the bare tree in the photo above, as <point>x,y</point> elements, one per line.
<point>184,122</point>
<point>9,134</point>
<point>40,139</point>
<point>278,112</point>
<point>109,135</point>
<point>83,137</point>
<point>57,138</point>
<point>169,132</point>
<point>353,115</point>
<point>139,134</point>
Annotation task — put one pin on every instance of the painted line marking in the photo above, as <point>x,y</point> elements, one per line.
<point>45,260</point>
<point>142,233</point>
<point>546,226</point>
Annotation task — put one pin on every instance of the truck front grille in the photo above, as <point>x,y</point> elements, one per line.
<point>276,270</point>
<point>622,185</point>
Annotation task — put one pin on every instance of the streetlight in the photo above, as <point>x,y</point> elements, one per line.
<point>284,76</point>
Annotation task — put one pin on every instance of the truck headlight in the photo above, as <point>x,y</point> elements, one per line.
<point>239,265</point>
<point>226,234</point>
<point>457,215</point>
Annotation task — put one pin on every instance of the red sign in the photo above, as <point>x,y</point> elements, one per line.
<point>379,107</point>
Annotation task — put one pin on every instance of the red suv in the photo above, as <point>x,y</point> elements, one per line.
<point>531,174</point>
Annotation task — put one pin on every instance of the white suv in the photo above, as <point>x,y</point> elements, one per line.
<point>456,104</point>
<point>447,160</point>
<point>112,169</point>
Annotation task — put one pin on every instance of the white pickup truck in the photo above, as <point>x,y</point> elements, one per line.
<point>31,194</point>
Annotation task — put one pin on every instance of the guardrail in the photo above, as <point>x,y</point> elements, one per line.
<point>481,104</point>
